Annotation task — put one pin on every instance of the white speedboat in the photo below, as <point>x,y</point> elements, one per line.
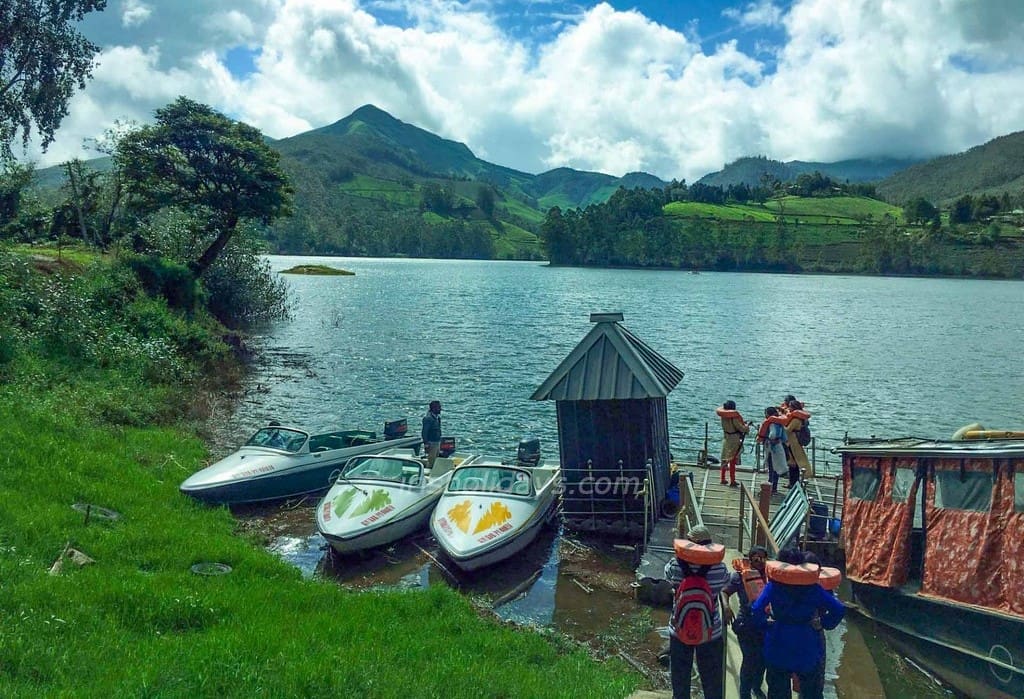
<point>491,510</point>
<point>281,462</point>
<point>380,498</point>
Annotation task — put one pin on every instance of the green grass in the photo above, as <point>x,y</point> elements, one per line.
<point>824,210</point>
<point>317,269</point>
<point>137,622</point>
<point>368,187</point>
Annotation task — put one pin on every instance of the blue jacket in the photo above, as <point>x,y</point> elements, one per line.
<point>790,642</point>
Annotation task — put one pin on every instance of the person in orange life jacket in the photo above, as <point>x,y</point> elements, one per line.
<point>784,405</point>
<point>795,454</point>
<point>747,583</point>
<point>772,434</point>
<point>819,623</point>
<point>709,655</point>
<point>734,429</point>
<point>791,643</point>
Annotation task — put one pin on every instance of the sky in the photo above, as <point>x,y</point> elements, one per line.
<point>677,88</point>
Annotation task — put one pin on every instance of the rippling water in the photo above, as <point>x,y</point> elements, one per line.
<point>868,355</point>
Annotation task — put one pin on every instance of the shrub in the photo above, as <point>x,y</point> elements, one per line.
<point>171,280</point>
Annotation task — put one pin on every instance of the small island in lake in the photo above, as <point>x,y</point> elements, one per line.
<point>317,269</point>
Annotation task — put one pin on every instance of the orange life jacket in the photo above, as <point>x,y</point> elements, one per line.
<point>793,574</point>
<point>752,579</point>
<point>798,414</point>
<point>698,554</point>
<point>829,578</point>
<point>762,431</point>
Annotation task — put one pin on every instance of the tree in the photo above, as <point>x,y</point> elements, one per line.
<point>196,159</point>
<point>43,59</point>
<point>485,200</point>
<point>920,210</point>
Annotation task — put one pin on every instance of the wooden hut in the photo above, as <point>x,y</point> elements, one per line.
<point>610,395</point>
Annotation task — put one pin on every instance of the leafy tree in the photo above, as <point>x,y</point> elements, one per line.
<point>962,210</point>
<point>920,210</point>
<point>196,159</point>
<point>485,200</point>
<point>43,59</point>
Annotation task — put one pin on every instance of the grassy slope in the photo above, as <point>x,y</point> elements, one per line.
<point>841,210</point>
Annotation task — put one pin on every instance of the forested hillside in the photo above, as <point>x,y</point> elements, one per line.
<point>994,168</point>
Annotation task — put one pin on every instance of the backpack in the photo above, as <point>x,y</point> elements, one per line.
<point>803,435</point>
<point>693,609</point>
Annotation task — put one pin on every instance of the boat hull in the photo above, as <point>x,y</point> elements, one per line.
<point>393,530</point>
<point>279,476</point>
<point>967,647</point>
<point>503,549</point>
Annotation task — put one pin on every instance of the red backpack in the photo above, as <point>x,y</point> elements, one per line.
<point>693,609</point>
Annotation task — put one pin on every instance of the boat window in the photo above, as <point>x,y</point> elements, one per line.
<point>864,483</point>
<point>278,438</point>
<point>1018,492</point>
<point>973,493</point>
<point>491,480</point>
<point>375,468</point>
<point>902,482</point>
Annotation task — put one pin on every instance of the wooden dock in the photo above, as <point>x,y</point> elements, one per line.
<point>719,508</point>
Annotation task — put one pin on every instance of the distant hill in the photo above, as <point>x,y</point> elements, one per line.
<point>750,170</point>
<point>992,168</point>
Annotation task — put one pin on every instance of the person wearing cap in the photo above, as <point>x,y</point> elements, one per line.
<point>710,655</point>
<point>431,434</point>
<point>747,585</point>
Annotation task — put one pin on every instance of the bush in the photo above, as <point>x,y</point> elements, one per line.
<point>171,280</point>
<point>242,290</point>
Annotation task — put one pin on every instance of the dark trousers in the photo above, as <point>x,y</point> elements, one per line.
<point>794,475</point>
<point>709,655</point>
<point>752,668</point>
<point>773,478</point>
<point>780,684</point>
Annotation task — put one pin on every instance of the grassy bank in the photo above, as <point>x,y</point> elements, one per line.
<point>137,621</point>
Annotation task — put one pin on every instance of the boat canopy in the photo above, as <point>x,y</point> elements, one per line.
<point>967,544</point>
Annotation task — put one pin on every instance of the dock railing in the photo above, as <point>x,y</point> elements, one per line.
<point>702,451</point>
<point>754,527</point>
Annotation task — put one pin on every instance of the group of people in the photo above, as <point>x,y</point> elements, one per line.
<point>778,432</point>
<point>780,628</point>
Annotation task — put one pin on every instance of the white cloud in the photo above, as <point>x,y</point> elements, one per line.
<point>608,90</point>
<point>756,14</point>
<point>135,12</point>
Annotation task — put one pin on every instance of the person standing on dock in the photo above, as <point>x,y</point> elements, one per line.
<point>734,429</point>
<point>711,654</point>
<point>747,583</point>
<point>786,611</point>
<point>797,457</point>
<point>773,435</point>
<point>431,433</point>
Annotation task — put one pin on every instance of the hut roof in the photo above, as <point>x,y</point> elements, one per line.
<point>610,363</point>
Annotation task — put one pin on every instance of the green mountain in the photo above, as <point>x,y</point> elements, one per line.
<point>992,168</point>
<point>750,170</point>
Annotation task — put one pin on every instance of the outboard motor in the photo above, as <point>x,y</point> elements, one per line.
<point>447,447</point>
<point>528,453</point>
<point>393,429</point>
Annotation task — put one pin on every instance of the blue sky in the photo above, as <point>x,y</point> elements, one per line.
<point>677,89</point>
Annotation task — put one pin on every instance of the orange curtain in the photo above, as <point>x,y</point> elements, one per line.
<point>877,532</point>
<point>964,550</point>
<point>1013,540</point>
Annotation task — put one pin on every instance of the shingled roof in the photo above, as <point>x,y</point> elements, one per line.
<point>610,363</point>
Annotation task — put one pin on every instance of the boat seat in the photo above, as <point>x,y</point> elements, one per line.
<point>441,466</point>
<point>472,483</point>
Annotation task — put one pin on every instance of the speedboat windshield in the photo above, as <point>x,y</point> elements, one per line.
<point>383,468</point>
<point>282,438</point>
<point>492,479</point>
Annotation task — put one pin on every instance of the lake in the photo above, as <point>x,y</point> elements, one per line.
<point>868,356</point>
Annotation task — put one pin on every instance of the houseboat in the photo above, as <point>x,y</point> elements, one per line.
<point>934,538</point>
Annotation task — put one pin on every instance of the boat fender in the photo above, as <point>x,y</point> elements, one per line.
<point>699,554</point>
<point>962,432</point>
<point>829,578</point>
<point>793,574</point>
